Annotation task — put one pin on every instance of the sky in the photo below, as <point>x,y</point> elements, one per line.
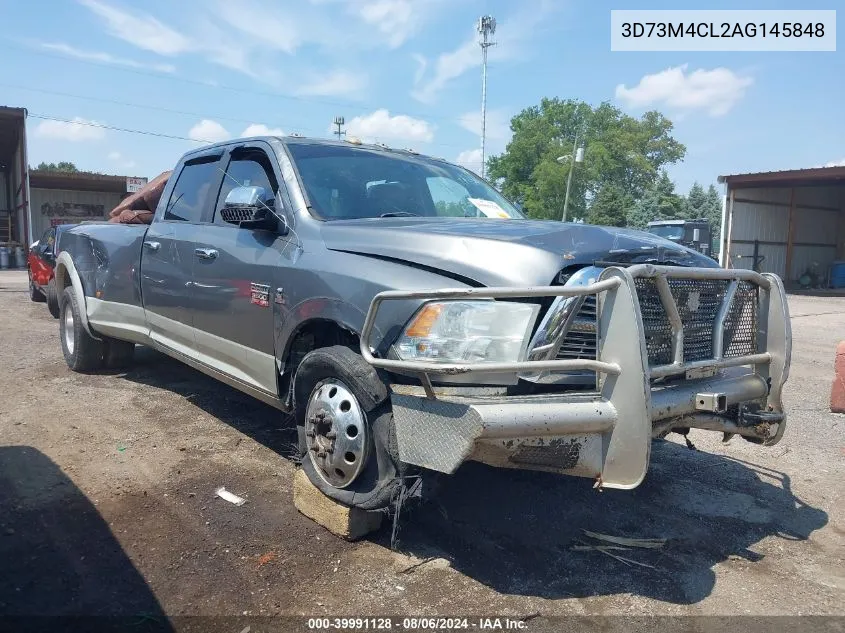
<point>403,72</point>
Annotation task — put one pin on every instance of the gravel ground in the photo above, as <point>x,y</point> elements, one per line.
<point>107,506</point>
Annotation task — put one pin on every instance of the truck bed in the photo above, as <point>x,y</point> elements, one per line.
<point>107,258</point>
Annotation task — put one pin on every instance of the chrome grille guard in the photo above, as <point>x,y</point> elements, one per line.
<point>774,334</point>
<point>629,406</point>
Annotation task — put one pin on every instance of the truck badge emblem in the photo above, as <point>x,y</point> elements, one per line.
<point>260,294</point>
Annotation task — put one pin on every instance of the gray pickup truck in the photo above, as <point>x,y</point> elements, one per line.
<point>411,319</point>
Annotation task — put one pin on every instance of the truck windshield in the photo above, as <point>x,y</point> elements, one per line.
<point>359,182</point>
<point>668,231</point>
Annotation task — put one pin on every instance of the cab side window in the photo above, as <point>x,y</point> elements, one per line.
<point>249,168</point>
<point>192,193</point>
<point>48,240</point>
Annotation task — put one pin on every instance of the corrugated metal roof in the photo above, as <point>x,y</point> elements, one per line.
<point>789,177</point>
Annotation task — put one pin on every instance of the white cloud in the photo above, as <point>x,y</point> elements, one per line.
<point>498,124</point>
<point>513,32</point>
<point>259,129</point>
<point>120,161</point>
<point>714,91</point>
<point>836,163</point>
<point>208,131</point>
<point>380,126</point>
<point>449,66</point>
<point>471,159</point>
<point>105,58</point>
<point>78,129</point>
<point>264,23</point>
<point>395,19</point>
<point>334,84</point>
<point>140,29</point>
<point>422,64</point>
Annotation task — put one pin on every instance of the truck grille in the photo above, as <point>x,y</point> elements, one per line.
<point>698,301</point>
<point>581,341</point>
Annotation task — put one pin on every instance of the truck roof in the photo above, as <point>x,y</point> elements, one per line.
<point>307,140</point>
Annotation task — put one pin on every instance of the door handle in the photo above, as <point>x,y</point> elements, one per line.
<point>205,253</point>
<point>153,246</point>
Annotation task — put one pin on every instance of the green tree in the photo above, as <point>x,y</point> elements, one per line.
<point>696,201</point>
<point>609,207</point>
<point>620,150</point>
<point>64,166</point>
<point>706,205</point>
<point>660,202</point>
<point>461,209</point>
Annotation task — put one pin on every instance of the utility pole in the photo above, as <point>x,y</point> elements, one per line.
<point>486,28</point>
<point>576,157</point>
<point>339,122</point>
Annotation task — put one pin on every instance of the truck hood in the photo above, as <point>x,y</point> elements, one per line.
<point>502,252</point>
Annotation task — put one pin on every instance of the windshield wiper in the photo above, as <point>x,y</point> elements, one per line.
<point>398,214</point>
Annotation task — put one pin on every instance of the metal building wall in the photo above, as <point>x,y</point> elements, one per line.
<point>19,191</point>
<point>61,206</point>
<point>762,214</point>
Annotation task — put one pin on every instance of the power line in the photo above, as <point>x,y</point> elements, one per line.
<point>174,111</point>
<point>356,106</point>
<point>117,129</point>
<point>134,105</point>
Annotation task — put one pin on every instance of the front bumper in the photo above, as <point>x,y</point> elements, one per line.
<point>604,433</point>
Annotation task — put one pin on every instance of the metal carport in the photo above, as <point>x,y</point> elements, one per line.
<point>784,222</point>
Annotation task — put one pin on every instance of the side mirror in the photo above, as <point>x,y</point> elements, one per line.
<point>696,235</point>
<point>252,208</point>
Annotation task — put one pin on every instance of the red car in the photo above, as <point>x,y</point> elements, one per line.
<point>40,264</point>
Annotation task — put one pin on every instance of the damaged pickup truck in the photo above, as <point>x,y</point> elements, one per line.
<point>411,319</point>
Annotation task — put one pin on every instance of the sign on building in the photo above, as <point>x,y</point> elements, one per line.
<point>134,185</point>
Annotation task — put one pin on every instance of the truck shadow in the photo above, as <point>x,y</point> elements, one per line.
<point>59,556</point>
<point>261,422</point>
<point>514,530</point>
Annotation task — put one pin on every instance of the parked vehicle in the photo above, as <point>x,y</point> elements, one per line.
<point>411,319</point>
<point>694,234</point>
<point>40,265</point>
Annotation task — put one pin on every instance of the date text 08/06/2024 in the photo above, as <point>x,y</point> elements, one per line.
<point>416,624</point>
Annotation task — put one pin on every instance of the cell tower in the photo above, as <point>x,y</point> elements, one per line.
<point>339,122</point>
<point>486,28</point>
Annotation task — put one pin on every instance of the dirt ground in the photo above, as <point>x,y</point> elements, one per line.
<point>107,506</point>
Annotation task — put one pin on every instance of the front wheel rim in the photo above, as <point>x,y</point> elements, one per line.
<point>68,333</point>
<point>336,433</point>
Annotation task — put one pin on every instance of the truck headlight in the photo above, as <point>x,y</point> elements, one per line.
<point>468,331</point>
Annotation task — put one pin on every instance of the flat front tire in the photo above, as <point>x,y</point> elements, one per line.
<point>82,351</point>
<point>53,299</point>
<point>34,293</point>
<point>346,435</point>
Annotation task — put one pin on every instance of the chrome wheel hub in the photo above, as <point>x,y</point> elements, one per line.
<point>335,433</point>
<point>68,329</point>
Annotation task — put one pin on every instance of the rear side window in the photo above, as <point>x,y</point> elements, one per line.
<point>192,193</point>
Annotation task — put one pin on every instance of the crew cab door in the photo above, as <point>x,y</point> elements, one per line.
<point>167,256</point>
<point>235,278</point>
